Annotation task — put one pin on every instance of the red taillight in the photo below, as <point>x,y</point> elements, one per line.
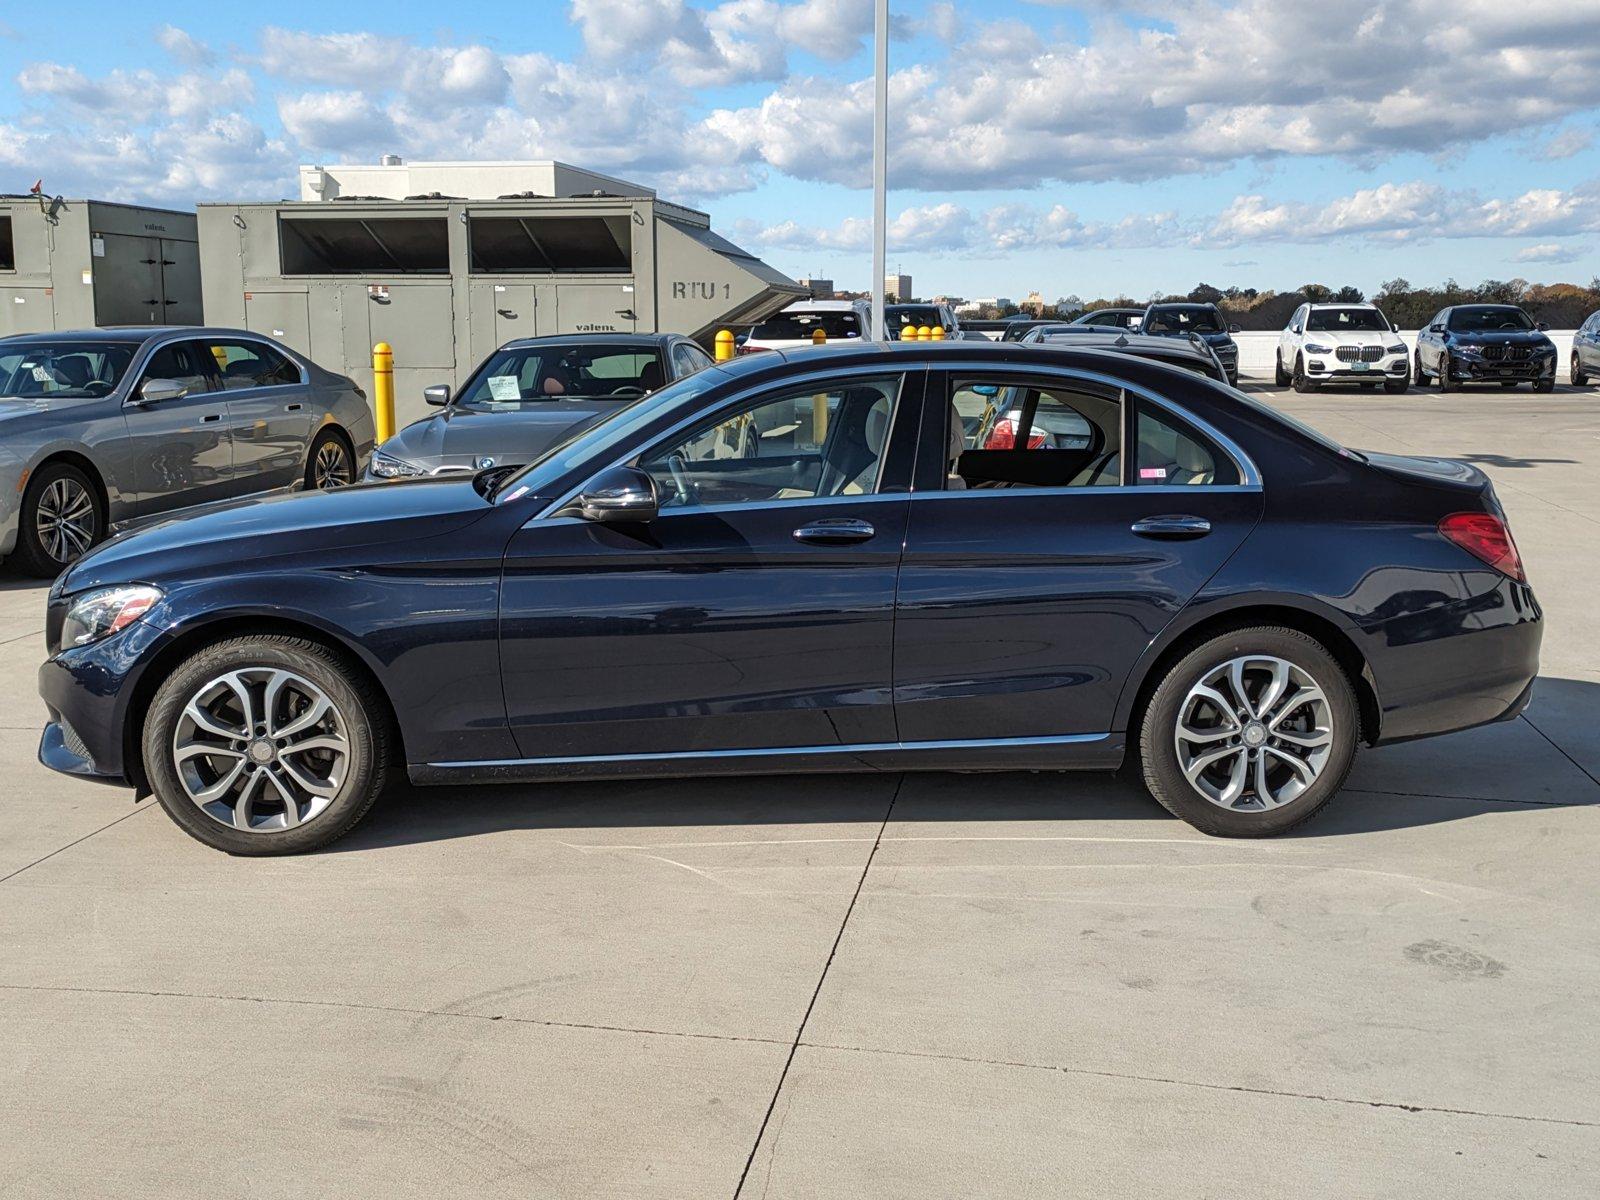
<point>1485,536</point>
<point>754,349</point>
<point>1004,437</point>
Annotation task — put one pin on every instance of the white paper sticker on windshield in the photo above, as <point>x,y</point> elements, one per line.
<point>41,375</point>
<point>504,387</point>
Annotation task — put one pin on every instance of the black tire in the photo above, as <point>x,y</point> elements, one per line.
<point>1446,383</point>
<point>1580,377</point>
<point>330,454</point>
<point>362,718</point>
<point>1397,386</point>
<point>1547,384</point>
<point>1417,373</point>
<point>58,489</point>
<point>1298,380</point>
<point>1158,750</point>
<point>1508,384</point>
<point>1279,376</point>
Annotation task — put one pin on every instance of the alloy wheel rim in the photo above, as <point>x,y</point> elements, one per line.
<point>261,750</point>
<point>332,468</point>
<point>1254,733</point>
<point>65,520</point>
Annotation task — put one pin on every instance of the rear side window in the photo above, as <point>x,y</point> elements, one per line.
<point>1171,455</point>
<point>1008,436</point>
<point>252,365</point>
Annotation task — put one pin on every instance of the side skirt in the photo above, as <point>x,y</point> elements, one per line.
<point>1082,751</point>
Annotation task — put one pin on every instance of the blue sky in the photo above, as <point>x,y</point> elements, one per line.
<point>1093,148</point>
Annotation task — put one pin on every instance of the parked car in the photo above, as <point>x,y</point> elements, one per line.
<point>1485,343</point>
<point>797,325</point>
<point>1198,320</point>
<point>1118,318</point>
<point>899,317</point>
<point>106,426</point>
<point>530,394</point>
<point>1192,354</point>
<point>1586,351</point>
<point>873,592</point>
<point>1006,329</point>
<point>1341,343</point>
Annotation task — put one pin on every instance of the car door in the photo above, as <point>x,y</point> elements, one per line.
<point>1589,343</point>
<point>1429,341</point>
<point>1039,566</point>
<point>181,449</point>
<point>269,412</point>
<point>755,612</point>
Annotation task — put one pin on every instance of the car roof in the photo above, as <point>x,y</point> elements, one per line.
<point>132,334</point>
<point>894,355</point>
<point>640,340</point>
<point>1137,343</point>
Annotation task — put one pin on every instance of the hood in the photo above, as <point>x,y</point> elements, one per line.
<point>1501,337</point>
<point>459,437</point>
<point>17,408</point>
<point>301,526</point>
<point>1353,337</point>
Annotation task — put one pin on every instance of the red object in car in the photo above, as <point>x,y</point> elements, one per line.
<point>1485,536</point>
<point>1004,437</point>
<point>754,349</point>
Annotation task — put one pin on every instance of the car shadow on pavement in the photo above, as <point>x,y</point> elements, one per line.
<point>1511,460</point>
<point>1498,770</point>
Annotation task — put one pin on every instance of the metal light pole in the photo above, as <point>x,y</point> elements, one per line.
<point>880,166</point>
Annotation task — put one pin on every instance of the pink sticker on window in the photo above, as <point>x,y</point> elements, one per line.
<point>1152,472</point>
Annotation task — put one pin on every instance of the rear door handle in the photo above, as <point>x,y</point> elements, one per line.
<point>292,408</point>
<point>1172,525</point>
<point>209,417</point>
<point>834,531</point>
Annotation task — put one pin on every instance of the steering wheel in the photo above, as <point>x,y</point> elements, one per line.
<point>682,486</point>
<point>627,389</point>
<point>97,387</point>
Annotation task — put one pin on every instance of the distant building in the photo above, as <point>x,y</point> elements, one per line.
<point>1033,303</point>
<point>898,287</point>
<point>393,178</point>
<point>983,303</point>
<point>820,289</point>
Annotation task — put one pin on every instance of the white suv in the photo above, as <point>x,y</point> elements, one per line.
<point>839,320</point>
<point>1342,343</point>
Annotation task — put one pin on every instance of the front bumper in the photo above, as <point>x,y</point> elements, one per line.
<point>1487,370</point>
<point>1328,367</point>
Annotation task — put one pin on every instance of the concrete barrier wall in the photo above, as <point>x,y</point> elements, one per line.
<point>1257,350</point>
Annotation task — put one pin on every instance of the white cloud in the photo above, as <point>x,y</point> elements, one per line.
<point>339,121</point>
<point>185,47</point>
<point>1546,252</point>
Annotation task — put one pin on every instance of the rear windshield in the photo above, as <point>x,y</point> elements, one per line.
<point>1197,318</point>
<point>1342,320</point>
<point>1488,319</point>
<point>898,316</point>
<point>799,326</point>
<point>63,371</point>
<point>542,374</point>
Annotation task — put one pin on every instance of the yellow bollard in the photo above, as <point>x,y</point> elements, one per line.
<point>819,336</point>
<point>924,334</point>
<point>938,333</point>
<point>724,345</point>
<point>383,390</point>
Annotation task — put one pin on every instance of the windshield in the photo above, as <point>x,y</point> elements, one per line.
<point>799,326</point>
<point>1346,320</point>
<point>1195,318</point>
<point>528,374</point>
<point>898,316</point>
<point>63,370</point>
<point>592,441</point>
<point>1485,318</point>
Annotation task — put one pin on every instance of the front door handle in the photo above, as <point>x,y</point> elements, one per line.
<point>210,417</point>
<point>834,531</point>
<point>1172,525</point>
<point>296,407</point>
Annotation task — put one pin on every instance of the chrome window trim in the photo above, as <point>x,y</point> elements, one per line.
<point>1066,739</point>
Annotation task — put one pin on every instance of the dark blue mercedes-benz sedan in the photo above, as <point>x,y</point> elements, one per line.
<point>817,560</point>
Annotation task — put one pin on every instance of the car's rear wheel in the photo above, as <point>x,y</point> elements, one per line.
<point>266,744</point>
<point>1580,377</point>
<point>330,463</point>
<point>1250,733</point>
<point>61,520</point>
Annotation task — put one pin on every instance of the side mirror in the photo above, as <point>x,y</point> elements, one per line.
<point>157,391</point>
<point>438,395</point>
<point>1394,326</point>
<point>619,494</point>
<point>1235,328</point>
<point>1435,328</point>
<point>1542,326</point>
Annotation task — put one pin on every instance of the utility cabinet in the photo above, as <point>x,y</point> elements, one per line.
<point>75,264</point>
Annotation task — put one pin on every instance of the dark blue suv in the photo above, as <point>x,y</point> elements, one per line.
<point>1586,351</point>
<point>1202,321</point>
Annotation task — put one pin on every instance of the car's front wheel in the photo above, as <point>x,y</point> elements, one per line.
<point>1250,733</point>
<point>1279,375</point>
<point>1299,379</point>
<point>1580,377</point>
<point>61,519</point>
<point>266,744</point>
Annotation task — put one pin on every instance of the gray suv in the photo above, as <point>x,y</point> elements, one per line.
<point>108,426</point>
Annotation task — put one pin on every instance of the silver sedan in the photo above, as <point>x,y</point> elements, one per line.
<point>108,426</point>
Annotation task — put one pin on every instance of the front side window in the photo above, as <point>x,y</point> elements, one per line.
<point>252,365</point>
<point>551,373</point>
<point>822,440</point>
<point>1170,456</point>
<point>181,362</point>
<point>1008,436</point>
<point>63,370</point>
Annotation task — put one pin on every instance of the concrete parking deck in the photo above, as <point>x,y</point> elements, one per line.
<point>928,986</point>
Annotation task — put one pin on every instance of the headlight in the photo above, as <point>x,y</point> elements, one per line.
<point>1467,348</point>
<point>1396,349</point>
<point>1312,348</point>
<point>385,466</point>
<point>99,614</point>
